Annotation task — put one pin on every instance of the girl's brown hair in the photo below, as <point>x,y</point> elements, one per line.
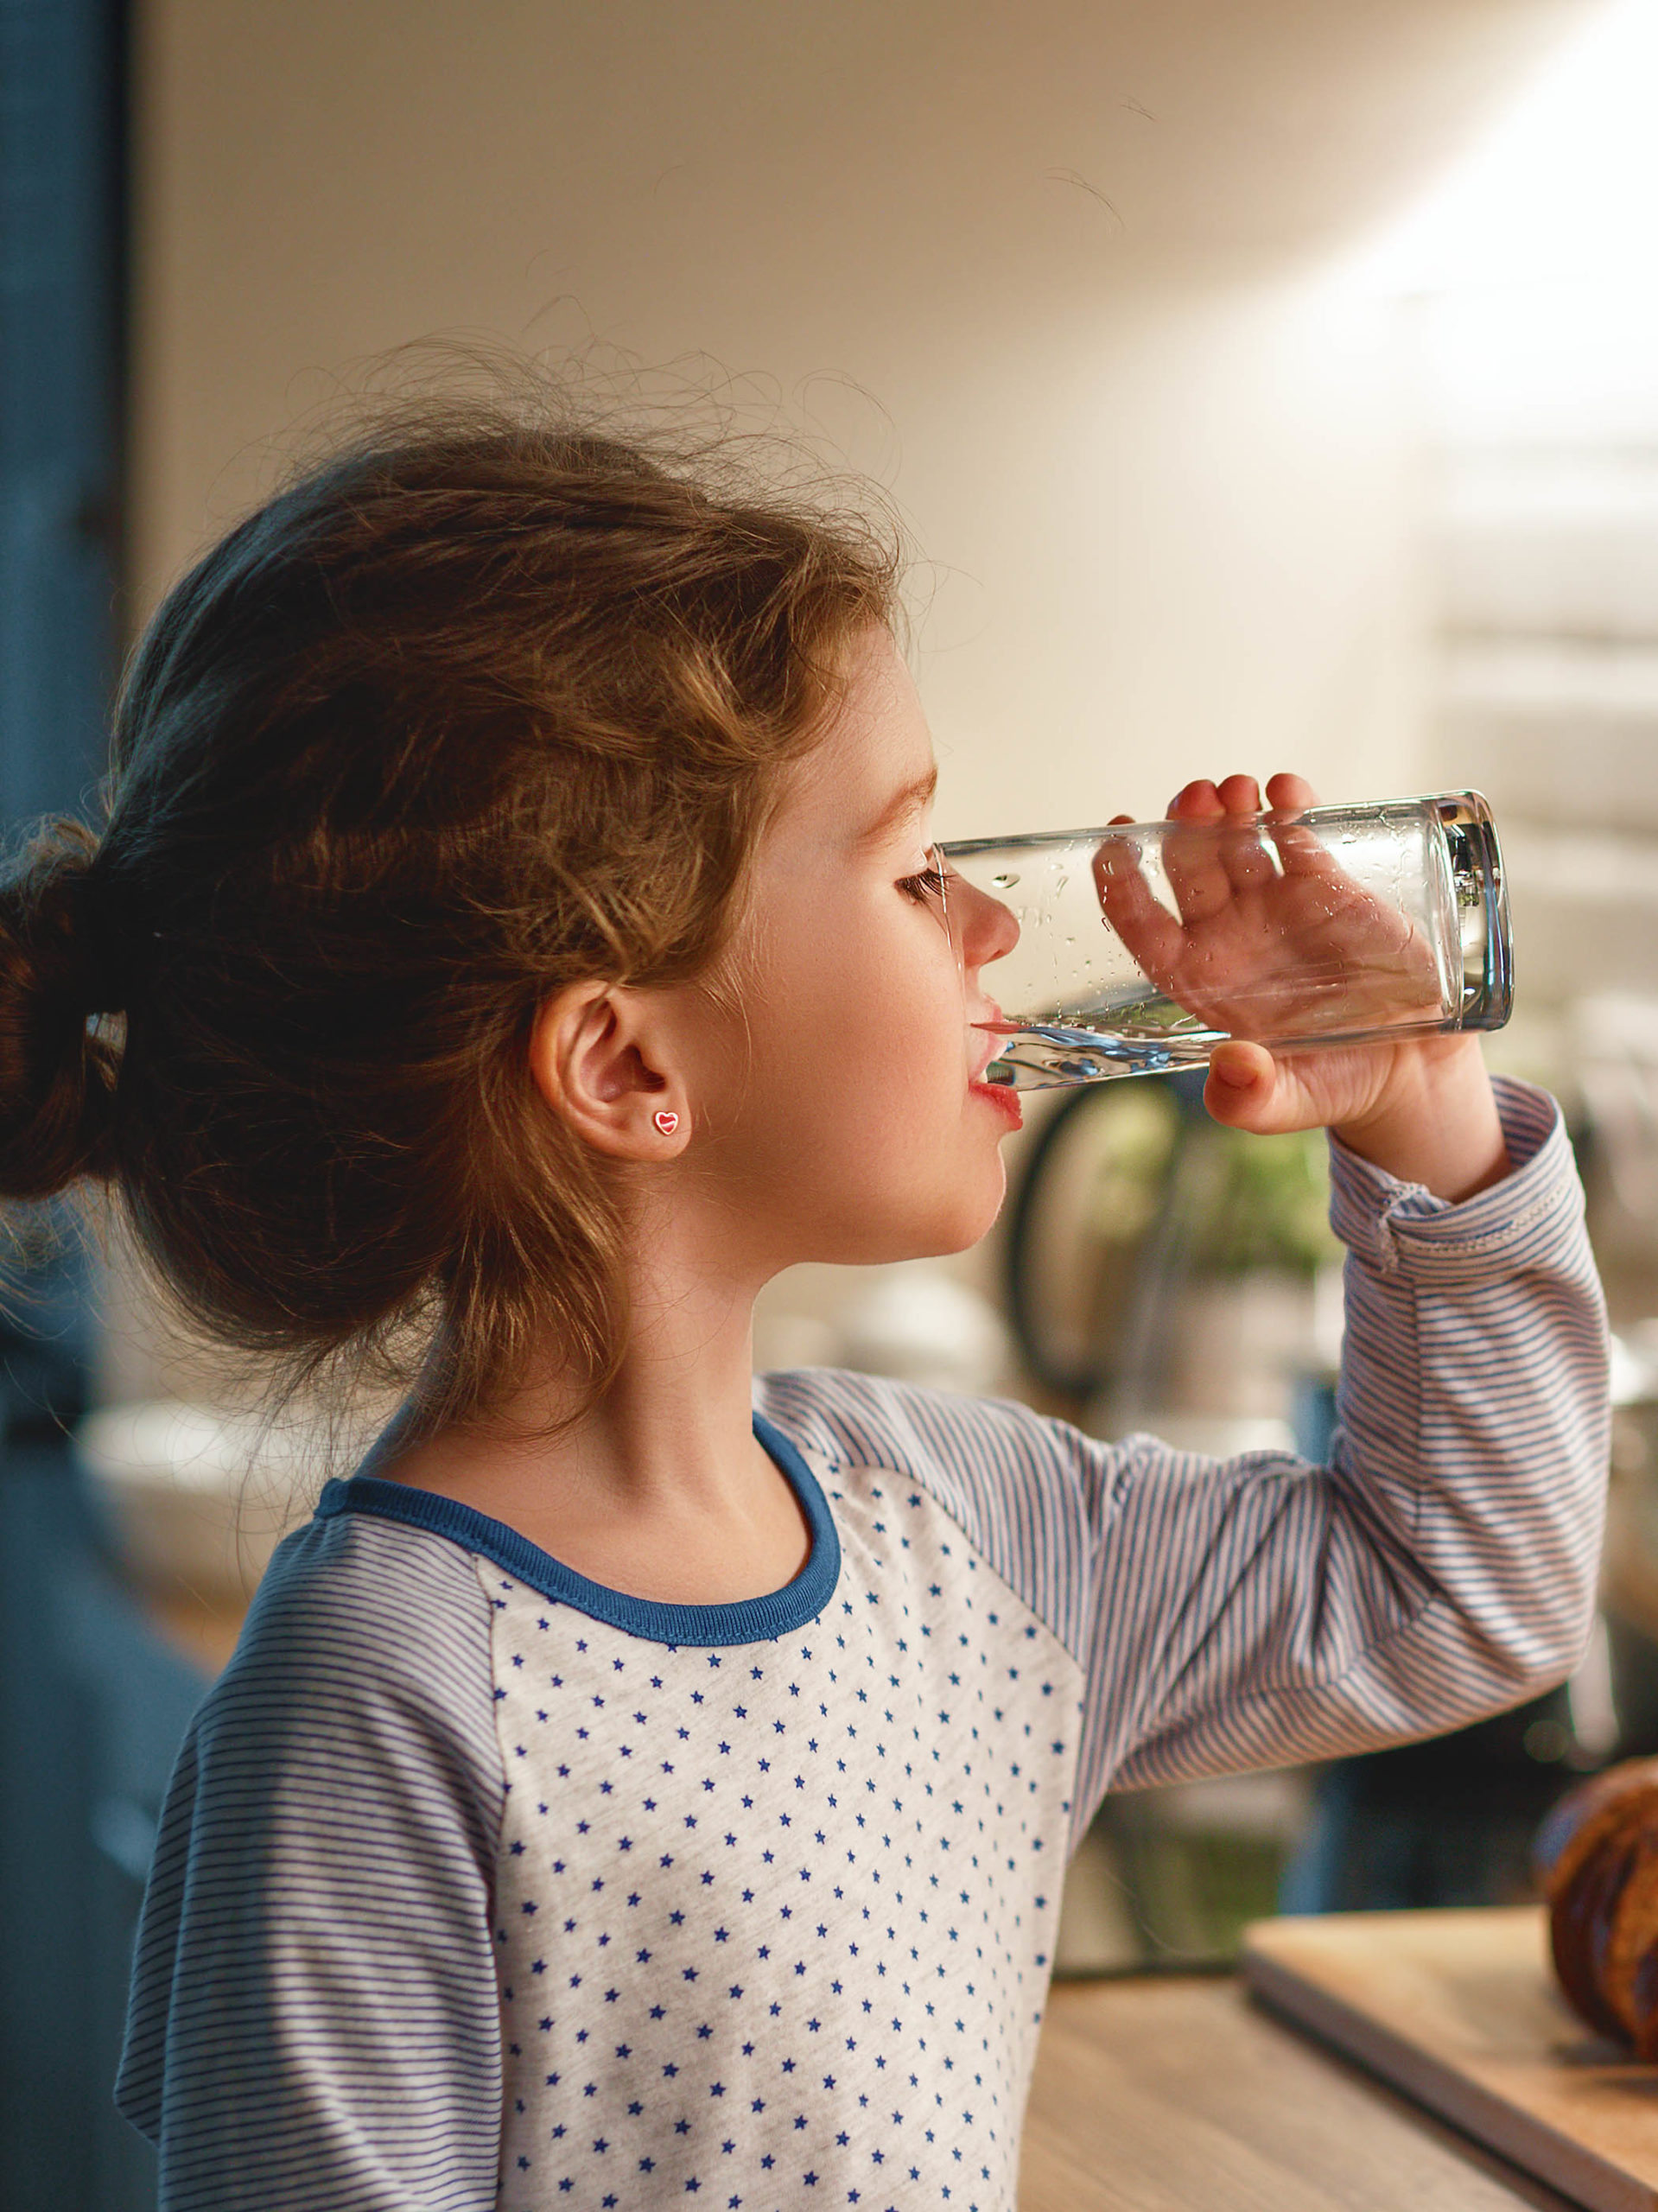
<point>489,700</point>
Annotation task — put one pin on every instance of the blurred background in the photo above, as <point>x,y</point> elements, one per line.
<point>1265,384</point>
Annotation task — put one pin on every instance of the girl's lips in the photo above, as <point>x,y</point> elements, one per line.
<point>986,1044</point>
<point>1003,1100</point>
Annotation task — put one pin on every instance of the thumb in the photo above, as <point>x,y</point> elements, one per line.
<point>1241,1086</point>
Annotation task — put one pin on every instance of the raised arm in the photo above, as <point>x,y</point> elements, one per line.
<point>1262,1610</point>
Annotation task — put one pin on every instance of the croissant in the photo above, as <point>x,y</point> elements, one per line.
<point>1596,1858</point>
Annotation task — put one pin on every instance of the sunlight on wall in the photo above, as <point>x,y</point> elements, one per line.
<point>1527,286</point>
<point>1561,190</point>
<point>1529,269</point>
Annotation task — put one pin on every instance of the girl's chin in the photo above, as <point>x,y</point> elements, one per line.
<point>956,1223</point>
<point>975,1216</point>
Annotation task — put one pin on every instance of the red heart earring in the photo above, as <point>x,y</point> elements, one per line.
<point>666,1121</point>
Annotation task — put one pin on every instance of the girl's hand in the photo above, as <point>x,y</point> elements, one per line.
<point>1421,1107</point>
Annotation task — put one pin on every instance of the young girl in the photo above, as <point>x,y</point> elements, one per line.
<point>637,1783</point>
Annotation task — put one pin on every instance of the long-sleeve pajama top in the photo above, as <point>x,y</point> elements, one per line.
<point>483,1887</point>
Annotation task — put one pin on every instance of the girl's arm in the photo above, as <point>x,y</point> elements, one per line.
<point>313,2020</point>
<point>1261,1612</point>
<point>1252,1613</point>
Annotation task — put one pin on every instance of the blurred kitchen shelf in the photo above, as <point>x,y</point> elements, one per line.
<point>1541,543</point>
<point>1554,731</point>
<point>1541,417</point>
<point>1586,910</point>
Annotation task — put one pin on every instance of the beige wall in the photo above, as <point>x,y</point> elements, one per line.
<point>1058,273</point>
<point>1157,466</point>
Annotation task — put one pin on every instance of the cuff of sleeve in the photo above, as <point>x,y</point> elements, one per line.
<point>1403,1227</point>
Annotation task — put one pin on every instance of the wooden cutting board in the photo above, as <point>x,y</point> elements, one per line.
<point>1459,2010</point>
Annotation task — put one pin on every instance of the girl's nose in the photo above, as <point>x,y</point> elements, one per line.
<point>985,929</point>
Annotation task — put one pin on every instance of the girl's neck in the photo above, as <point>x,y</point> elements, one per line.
<point>671,1436</point>
<point>660,1491</point>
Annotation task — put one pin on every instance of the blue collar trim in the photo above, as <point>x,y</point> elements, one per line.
<point>749,1620</point>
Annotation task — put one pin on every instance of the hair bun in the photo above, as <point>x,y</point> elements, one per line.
<point>63,958</point>
<point>102,937</point>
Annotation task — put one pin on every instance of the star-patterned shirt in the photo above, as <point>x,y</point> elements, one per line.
<point>484,1888</point>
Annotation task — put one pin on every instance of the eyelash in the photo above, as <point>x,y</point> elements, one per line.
<point>929,884</point>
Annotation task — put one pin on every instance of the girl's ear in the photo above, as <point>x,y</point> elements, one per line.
<point>595,1059</point>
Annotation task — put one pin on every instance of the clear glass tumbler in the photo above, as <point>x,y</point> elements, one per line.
<point>1145,945</point>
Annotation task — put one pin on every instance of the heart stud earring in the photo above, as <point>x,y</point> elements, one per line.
<point>666,1121</point>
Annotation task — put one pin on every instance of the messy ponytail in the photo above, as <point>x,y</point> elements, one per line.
<point>58,971</point>
<point>487,702</point>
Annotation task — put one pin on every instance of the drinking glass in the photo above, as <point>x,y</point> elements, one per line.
<point>1143,946</point>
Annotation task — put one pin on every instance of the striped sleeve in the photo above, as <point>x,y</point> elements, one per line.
<point>1262,1610</point>
<point>314,2017</point>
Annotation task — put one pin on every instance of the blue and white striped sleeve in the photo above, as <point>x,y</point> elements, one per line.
<point>1261,1612</point>
<point>315,2015</point>
<point>1228,1614</point>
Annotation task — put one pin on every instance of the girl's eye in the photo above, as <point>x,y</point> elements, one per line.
<point>929,884</point>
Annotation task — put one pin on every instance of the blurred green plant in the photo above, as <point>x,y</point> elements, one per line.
<point>1270,1206</point>
<point>1133,1134</point>
<point>1244,1202</point>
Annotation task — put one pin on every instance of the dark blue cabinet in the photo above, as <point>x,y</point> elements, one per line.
<point>91,1703</point>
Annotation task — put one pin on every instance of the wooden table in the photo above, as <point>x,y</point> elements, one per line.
<point>1158,2093</point>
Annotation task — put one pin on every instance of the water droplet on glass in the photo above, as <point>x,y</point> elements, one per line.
<point>1004,883</point>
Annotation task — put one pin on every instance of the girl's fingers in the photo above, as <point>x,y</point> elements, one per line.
<point>1243,1086</point>
<point>1248,1088</point>
<point>1207,868</point>
<point>1191,852</point>
<point>1299,849</point>
<point>1241,794</point>
<point>1290,794</point>
<point>1126,904</point>
<point>1195,801</point>
<point>1245,858</point>
<point>1223,855</point>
